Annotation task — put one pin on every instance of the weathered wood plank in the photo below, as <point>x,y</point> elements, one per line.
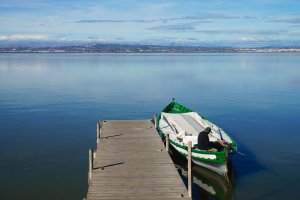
<point>132,163</point>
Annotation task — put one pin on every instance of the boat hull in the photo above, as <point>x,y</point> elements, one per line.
<point>219,168</point>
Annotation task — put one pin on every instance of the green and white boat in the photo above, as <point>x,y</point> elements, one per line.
<point>183,125</point>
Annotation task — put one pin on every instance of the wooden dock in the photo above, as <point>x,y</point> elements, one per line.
<point>131,162</point>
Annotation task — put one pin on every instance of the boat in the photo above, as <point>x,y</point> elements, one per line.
<point>182,125</point>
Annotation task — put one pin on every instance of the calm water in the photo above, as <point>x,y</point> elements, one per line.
<point>50,103</point>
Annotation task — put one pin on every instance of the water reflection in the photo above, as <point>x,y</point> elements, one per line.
<point>206,184</point>
<point>209,185</point>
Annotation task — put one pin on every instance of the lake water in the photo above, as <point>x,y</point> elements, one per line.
<point>50,103</point>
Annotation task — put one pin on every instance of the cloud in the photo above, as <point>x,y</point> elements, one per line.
<point>95,38</point>
<point>248,39</point>
<point>294,32</point>
<point>58,38</point>
<point>37,26</point>
<point>210,16</point>
<point>174,27</point>
<point>24,37</point>
<point>115,21</point>
<point>292,20</point>
<point>215,16</point>
<point>248,17</point>
<point>99,21</point>
<point>171,41</point>
<point>244,31</point>
<point>191,27</point>
<point>202,17</point>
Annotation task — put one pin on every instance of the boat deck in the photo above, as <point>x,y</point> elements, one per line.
<point>131,163</point>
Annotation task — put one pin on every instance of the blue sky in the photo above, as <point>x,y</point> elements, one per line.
<point>199,22</point>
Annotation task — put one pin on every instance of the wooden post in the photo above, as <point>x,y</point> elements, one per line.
<point>98,132</point>
<point>226,165</point>
<point>91,163</point>
<point>154,120</point>
<point>167,143</point>
<point>190,168</point>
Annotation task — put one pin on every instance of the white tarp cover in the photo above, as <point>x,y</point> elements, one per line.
<point>188,122</point>
<point>189,125</point>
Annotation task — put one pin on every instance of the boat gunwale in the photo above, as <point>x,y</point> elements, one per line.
<point>220,156</point>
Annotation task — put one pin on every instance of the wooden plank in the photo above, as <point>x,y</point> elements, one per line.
<point>132,163</point>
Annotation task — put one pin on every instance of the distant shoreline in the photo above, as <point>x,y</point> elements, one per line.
<point>118,48</point>
<point>143,52</point>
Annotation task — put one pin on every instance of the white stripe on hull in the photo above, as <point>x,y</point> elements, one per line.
<point>199,155</point>
<point>219,168</point>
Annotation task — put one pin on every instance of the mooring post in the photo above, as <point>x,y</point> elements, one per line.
<point>154,120</point>
<point>226,165</point>
<point>190,168</point>
<point>91,163</point>
<point>98,132</point>
<point>167,142</point>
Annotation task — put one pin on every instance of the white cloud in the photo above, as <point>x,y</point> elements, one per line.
<point>58,39</point>
<point>294,32</point>
<point>24,37</point>
<point>174,27</point>
<point>248,39</point>
<point>291,20</point>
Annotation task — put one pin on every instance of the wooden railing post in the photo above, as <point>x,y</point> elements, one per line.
<point>226,165</point>
<point>167,142</point>
<point>91,163</point>
<point>190,168</point>
<point>98,132</point>
<point>154,120</point>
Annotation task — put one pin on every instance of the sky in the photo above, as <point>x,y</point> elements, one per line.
<point>172,22</point>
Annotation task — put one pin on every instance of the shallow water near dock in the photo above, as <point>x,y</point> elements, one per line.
<point>50,103</point>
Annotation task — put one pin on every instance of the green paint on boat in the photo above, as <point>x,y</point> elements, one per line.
<point>175,107</point>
